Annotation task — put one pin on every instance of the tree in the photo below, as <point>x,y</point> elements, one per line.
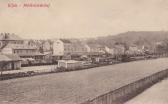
<point>162,47</point>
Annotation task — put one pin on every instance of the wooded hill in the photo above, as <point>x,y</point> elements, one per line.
<point>139,38</point>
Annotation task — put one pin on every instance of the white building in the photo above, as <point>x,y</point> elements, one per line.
<point>69,64</point>
<point>97,49</point>
<point>63,47</point>
<point>133,49</point>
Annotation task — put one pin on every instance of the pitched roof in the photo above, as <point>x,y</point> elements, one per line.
<point>95,46</point>
<point>9,57</point>
<point>4,58</point>
<point>32,54</point>
<point>65,40</point>
<point>22,46</point>
<point>77,44</point>
<point>8,36</point>
<point>13,57</point>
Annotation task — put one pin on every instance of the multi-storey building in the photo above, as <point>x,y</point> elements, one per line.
<point>24,51</point>
<point>47,46</point>
<point>7,38</point>
<point>63,47</point>
<point>13,44</point>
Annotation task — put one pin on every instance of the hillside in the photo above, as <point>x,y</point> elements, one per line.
<point>132,37</point>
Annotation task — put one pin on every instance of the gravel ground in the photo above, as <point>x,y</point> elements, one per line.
<point>157,94</point>
<point>76,86</point>
<point>44,68</point>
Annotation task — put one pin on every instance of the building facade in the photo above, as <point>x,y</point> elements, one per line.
<point>23,51</point>
<point>97,49</point>
<point>9,62</point>
<point>7,38</point>
<point>63,47</point>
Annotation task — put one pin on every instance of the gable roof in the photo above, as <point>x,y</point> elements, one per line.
<point>4,58</point>
<point>22,46</point>
<point>95,46</point>
<point>9,57</point>
<point>13,57</point>
<point>8,36</point>
<point>65,40</point>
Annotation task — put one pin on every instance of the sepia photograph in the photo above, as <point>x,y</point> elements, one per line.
<point>83,52</point>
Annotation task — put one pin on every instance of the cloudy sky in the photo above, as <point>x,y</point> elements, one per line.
<point>83,18</point>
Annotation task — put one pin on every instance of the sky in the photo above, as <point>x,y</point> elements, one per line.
<point>82,18</point>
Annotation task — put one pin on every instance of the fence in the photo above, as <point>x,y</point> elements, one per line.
<point>121,95</point>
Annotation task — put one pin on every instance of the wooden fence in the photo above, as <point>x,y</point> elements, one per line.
<point>123,94</point>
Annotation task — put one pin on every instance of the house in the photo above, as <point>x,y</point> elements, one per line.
<point>9,62</point>
<point>133,50</point>
<point>97,49</point>
<point>47,46</point>
<point>78,47</point>
<point>8,38</point>
<point>63,47</point>
<point>110,51</point>
<point>24,51</point>
<point>33,43</point>
<point>13,44</point>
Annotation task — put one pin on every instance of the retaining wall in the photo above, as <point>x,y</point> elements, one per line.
<point>123,94</point>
